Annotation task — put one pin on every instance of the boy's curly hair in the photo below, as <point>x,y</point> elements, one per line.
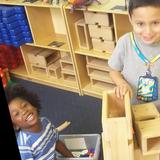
<point>16,90</point>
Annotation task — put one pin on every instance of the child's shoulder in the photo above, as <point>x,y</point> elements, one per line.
<point>44,120</point>
<point>125,37</point>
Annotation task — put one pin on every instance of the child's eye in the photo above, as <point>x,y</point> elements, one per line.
<point>156,22</point>
<point>140,24</point>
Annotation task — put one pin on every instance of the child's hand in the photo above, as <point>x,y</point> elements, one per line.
<point>121,90</point>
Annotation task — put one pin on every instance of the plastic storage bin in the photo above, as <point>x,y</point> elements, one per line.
<point>91,141</point>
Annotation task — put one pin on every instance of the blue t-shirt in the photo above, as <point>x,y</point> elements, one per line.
<point>38,146</point>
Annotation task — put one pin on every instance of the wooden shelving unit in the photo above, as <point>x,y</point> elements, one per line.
<point>88,38</point>
<point>77,46</point>
<point>103,26</point>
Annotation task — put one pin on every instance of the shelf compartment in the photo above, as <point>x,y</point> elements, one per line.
<point>68,77</point>
<point>66,59</point>
<point>99,75</point>
<point>71,19</point>
<point>100,84</point>
<point>121,20</point>
<point>67,68</point>
<point>44,23</point>
<point>98,63</point>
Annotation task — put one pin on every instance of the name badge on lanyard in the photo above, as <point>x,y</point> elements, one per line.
<point>147,89</point>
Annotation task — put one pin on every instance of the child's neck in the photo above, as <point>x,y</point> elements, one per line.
<point>36,128</point>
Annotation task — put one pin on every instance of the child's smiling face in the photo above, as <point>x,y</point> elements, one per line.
<point>146,23</point>
<point>24,115</point>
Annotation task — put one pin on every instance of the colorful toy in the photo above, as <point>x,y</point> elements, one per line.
<point>88,153</point>
<point>81,3</point>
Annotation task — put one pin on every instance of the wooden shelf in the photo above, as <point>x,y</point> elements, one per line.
<point>55,23</point>
<point>20,71</point>
<point>36,4</point>
<point>88,89</point>
<point>92,53</point>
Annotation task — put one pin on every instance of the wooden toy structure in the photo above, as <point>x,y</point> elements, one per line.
<point>67,69</point>
<point>147,126</point>
<point>117,127</point>
<point>119,140</point>
<point>100,30</point>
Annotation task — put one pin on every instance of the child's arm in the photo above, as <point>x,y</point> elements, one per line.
<point>121,84</point>
<point>62,149</point>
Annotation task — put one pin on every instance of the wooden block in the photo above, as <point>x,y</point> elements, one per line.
<point>83,37</point>
<point>101,32</point>
<point>32,55</point>
<point>66,59</point>
<point>139,156</point>
<point>68,77</point>
<point>145,111</point>
<point>117,126</point>
<point>43,57</point>
<point>97,18</point>
<point>39,69</point>
<point>99,74</point>
<point>54,70</point>
<point>103,46</point>
<point>101,85</point>
<point>66,65</point>
<point>98,63</point>
<point>148,136</point>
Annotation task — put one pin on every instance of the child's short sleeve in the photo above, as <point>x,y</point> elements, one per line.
<point>116,60</point>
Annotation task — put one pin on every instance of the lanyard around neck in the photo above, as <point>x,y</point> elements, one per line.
<point>140,54</point>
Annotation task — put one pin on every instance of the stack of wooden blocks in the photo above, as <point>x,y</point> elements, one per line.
<point>95,31</point>
<point>67,69</point>
<point>147,128</point>
<point>98,71</point>
<point>45,61</point>
<point>100,30</point>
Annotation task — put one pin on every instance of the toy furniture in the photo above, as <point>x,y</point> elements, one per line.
<point>117,127</point>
